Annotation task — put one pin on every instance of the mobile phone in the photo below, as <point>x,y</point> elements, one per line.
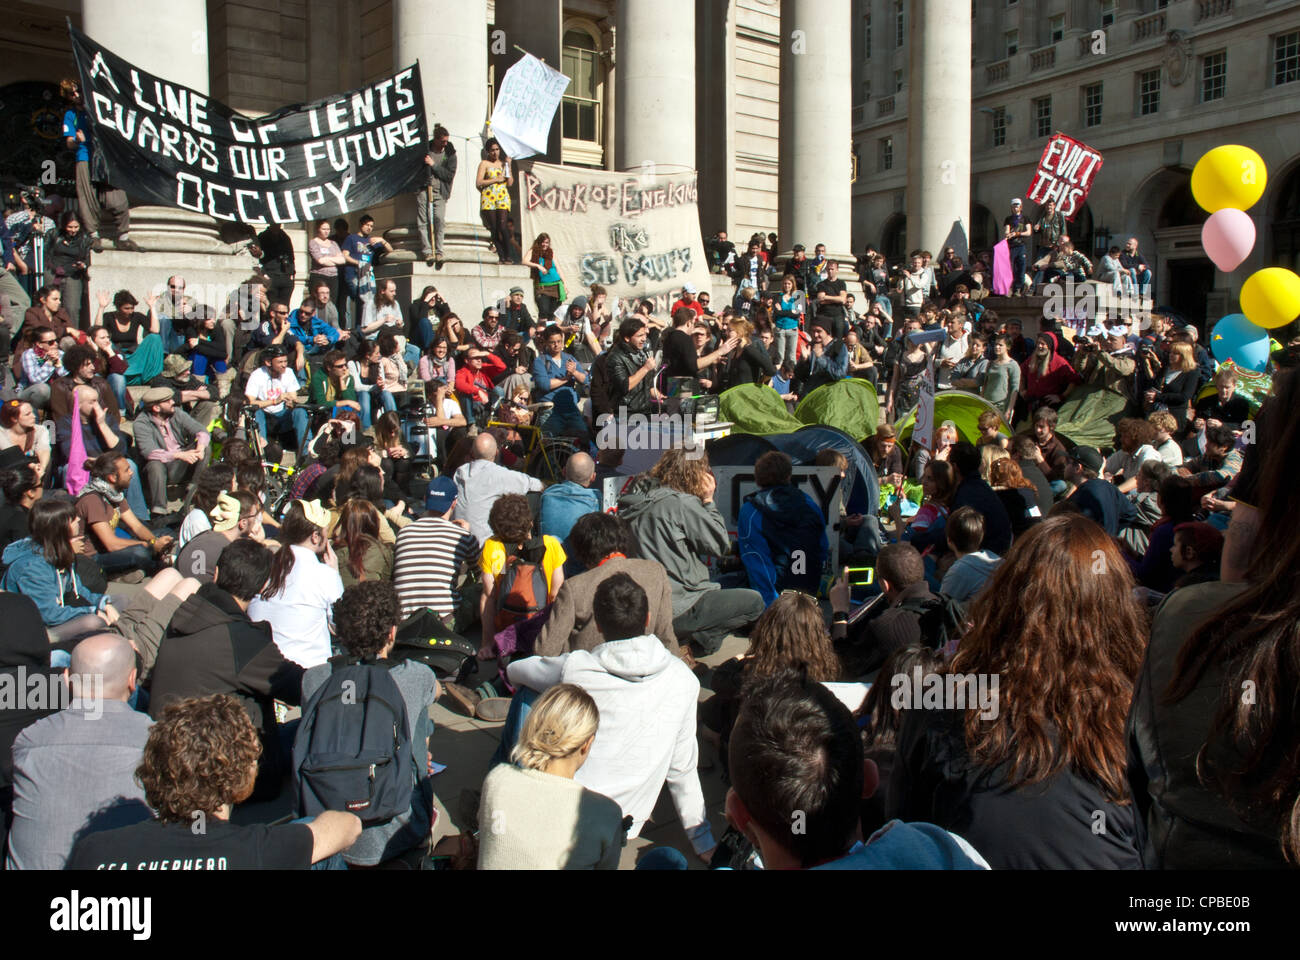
<point>870,576</point>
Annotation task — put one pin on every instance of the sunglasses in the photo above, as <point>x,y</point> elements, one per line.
<point>46,343</point>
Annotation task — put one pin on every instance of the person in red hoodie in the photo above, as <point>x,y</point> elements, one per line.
<point>474,381</point>
<point>1045,375</point>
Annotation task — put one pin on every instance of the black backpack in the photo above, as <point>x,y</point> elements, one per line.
<point>353,747</point>
<point>941,619</point>
<point>424,638</point>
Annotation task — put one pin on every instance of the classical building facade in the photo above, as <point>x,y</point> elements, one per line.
<point>1151,84</point>
<point>676,83</point>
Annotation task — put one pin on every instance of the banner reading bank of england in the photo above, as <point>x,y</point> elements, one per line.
<point>635,234</point>
<point>167,144</point>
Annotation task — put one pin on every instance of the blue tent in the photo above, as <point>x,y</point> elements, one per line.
<point>803,445</point>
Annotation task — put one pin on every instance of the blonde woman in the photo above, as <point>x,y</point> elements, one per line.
<point>533,814</point>
<point>1175,388</point>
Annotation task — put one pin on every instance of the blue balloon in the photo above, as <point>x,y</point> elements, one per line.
<point>1235,338</point>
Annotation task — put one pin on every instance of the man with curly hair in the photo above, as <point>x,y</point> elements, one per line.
<point>201,760</point>
<point>366,619</point>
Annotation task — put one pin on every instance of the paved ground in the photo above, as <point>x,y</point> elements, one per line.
<point>466,747</point>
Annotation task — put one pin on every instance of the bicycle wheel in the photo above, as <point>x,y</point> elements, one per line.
<point>549,457</point>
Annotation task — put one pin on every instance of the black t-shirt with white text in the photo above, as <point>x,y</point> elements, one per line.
<point>219,845</point>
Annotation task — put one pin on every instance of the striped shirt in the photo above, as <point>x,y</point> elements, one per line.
<point>431,554</point>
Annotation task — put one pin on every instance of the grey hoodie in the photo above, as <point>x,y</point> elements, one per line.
<point>675,528</point>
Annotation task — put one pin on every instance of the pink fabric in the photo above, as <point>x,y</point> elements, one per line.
<point>1001,269</point>
<point>76,476</point>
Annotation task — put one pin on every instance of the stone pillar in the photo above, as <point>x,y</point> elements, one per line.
<point>656,84</point>
<point>816,140</point>
<point>449,39</point>
<point>939,126</point>
<point>133,29</point>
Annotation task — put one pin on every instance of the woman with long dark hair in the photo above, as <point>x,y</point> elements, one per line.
<point>21,486</point>
<point>356,542</point>
<point>367,372</point>
<point>67,258</point>
<point>1214,733</point>
<point>1032,771</point>
<point>494,180</point>
<point>548,287</point>
<point>299,596</point>
<point>337,388</point>
<point>438,363</point>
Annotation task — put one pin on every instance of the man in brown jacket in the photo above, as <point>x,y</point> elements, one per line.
<point>602,543</point>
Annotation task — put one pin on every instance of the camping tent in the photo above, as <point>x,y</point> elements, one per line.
<point>962,408</point>
<point>757,410</point>
<point>803,445</point>
<point>849,405</point>
<point>738,450</point>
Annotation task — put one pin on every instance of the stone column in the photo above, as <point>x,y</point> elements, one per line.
<point>449,39</point>
<point>168,38</point>
<point>816,136</point>
<point>656,84</point>
<point>939,126</point>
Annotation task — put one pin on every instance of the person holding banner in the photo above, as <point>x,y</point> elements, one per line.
<point>494,180</point>
<point>112,203</point>
<point>548,287</point>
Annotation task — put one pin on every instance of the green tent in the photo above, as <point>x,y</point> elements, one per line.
<point>756,409</point>
<point>962,408</point>
<point>849,405</point>
<point>1091,414</point>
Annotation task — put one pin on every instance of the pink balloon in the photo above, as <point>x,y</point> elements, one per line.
<point>1228,237</point>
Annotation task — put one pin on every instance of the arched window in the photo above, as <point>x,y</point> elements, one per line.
<point>582,107</point>
<point>894,242</point>
<point>1286,223</point>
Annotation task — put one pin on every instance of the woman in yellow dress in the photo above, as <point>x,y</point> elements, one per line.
<point>494,180</point>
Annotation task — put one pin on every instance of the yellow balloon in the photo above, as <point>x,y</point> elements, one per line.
<point>1271,297</point>
<point>1229,176</point>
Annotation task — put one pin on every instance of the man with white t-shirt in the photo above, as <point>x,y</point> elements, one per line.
<point>955,346</point>
<point>273,390</point>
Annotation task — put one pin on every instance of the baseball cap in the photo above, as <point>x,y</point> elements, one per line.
<point>441,495</point>
<point>689,288</point>
<point>1119,330</point>
<point>1089,457</point>
<point>799,248</point>
<point>514,290</point>
<point>1015,202</point>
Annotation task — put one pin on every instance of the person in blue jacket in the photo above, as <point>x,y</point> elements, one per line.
<point>782,532</point>
<point>316,335</point>
<point>43,567</point>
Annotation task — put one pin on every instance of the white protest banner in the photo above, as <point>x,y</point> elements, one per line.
<point>923,430</point>
<point>525,107</point>
<point>1066,172</point>
<point>637,235</point>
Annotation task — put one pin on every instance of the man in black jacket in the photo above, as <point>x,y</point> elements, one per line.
<point>900,574</point>
<point>973,491</point>
<point>631,369</point>
<point>212,647</point>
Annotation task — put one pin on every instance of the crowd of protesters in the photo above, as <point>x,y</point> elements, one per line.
<point>244,505</point>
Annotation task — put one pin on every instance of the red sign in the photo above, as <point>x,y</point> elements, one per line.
<point>1065,174</point>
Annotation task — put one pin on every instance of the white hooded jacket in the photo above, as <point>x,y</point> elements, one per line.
<point>647,700</point>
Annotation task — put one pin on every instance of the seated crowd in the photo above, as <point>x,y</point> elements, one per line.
<point>250,515</point>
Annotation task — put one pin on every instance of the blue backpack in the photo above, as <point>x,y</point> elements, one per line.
<point>353,747</point>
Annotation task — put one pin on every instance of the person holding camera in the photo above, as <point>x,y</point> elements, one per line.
<point>431,202</point>
<point>274,248</point>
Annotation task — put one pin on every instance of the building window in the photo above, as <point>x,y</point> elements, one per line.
<point>1108,12</point>
<point>1013,42</point>
<point>866,35</point>
<point>1214,76</point>
<point>887,153</point>
<point>1056,28</point>
<point>999,126</point>
<point>1092,105</point>
<point>900,28</point>
<point>581,109</point>
<point>1286,58</point>
<point>1148,92</point>
<point>1043,117</point>
<point>898,81</point>
<point>866,90</point>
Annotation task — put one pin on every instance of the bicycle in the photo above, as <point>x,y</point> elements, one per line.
<point>545,454</point>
